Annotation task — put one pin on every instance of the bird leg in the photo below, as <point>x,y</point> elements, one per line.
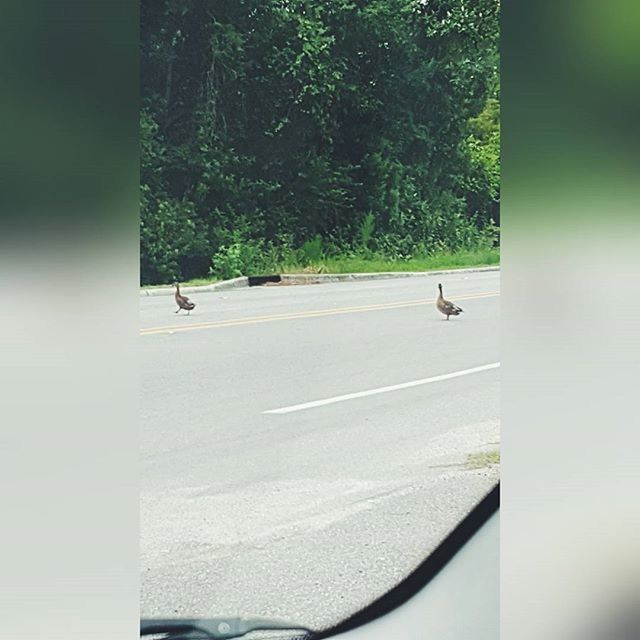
<point>178,310</point>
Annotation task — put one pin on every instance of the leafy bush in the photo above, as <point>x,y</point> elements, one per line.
<point>240,258</point>
<point>365,232</point>
<point>311,251</point>
<point>173,243</point>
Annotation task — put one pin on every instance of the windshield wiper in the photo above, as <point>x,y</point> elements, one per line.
<point>212,628</point>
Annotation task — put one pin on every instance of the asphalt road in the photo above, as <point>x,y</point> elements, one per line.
<point>253,502</point>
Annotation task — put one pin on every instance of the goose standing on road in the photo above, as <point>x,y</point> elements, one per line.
<point>183,302</point>
<point>445,307</point>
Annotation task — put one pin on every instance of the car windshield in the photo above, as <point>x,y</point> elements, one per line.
<point>309,438</point>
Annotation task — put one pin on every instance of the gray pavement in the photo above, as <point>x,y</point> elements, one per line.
<point>309,515</point>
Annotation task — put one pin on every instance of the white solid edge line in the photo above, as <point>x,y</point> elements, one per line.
<point>373,392</point>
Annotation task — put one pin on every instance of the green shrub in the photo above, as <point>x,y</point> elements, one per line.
<point>173,242</point>
<point>242,257</point>
<point>365,232</point>
<point>311,251</point>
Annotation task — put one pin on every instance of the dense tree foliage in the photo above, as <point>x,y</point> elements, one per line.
<point>336,125</point>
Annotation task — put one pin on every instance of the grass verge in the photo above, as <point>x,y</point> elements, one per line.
<point>374,264</point>
<point>482,258</point>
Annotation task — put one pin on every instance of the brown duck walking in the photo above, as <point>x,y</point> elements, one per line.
<point>183,302</point>
<point>445,307</point>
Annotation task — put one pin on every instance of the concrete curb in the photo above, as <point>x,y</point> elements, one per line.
<point>313,278</point>
<point>317,278</point>
<point>235,283</point>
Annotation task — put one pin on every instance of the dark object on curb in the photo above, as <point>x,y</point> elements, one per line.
<point>256,281</point>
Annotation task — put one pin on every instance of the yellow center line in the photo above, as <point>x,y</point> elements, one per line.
<point>303,314</point>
